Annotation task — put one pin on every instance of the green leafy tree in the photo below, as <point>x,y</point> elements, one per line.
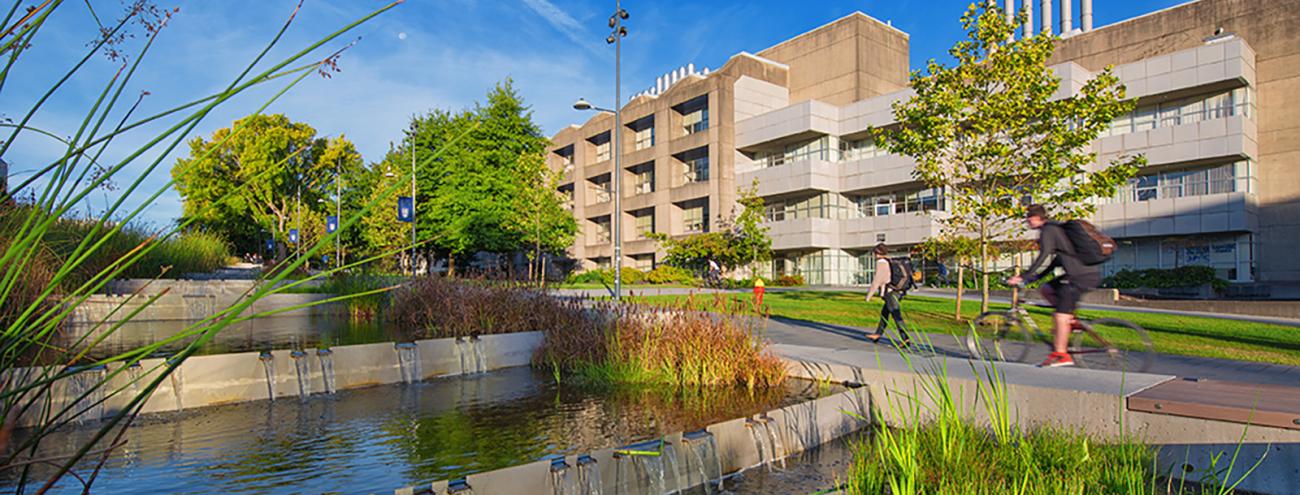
<point>738,241</point>
<point>274,174</point>
<point>960,250</point>
<point>547,227</point>
<point>991,132</point>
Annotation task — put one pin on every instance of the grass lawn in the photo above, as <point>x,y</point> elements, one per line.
<point>625,286</point>
<point>1171,334</point>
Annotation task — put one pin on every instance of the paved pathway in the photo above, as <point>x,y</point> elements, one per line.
<point>813,334</point>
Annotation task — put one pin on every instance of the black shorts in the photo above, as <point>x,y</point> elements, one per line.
<point>1069,290</point>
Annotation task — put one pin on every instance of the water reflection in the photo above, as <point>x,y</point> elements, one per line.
<point>278,332</point>
<point>381,438</point>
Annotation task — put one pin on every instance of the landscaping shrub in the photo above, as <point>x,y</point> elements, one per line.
<point>436,307</point>
<point>590,277</point>
<point>668,274</point>
<point>1162,278</point>
<point>631,275</point>
<point>674,346</point>
<point>788,281</point>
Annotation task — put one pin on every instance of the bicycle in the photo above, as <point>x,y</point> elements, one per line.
<point>1092,342</point>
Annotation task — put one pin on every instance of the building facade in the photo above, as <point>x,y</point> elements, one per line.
<point>1217,84</point>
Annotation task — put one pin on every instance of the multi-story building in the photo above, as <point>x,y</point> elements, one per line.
<point>1216,84</point>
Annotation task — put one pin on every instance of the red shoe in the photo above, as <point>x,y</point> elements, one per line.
<point>1057,360</point>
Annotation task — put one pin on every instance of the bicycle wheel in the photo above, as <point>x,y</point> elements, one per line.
<point>1112,344</point>
<point>998,336</point>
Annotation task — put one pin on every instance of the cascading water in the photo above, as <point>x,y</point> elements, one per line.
<point>459,487</point>
<point>564,481</point>
<point>87,382</point>
<point>177,381</point>
<point>672,468</point>
<point>760,443</point>
<point>326,358</point>
<point>774,441</point>
<point>133,371</point>
<point>589,476</point>
<point>702,465</point>
<point>640,468</point>
<point>480,361</point>
<point>268,369</point>
<point>408,361</point>
<point>303,370</point>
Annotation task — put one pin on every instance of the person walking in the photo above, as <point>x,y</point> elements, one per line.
<point>891,287</point>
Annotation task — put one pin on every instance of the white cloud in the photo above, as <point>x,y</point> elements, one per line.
<point>562,21</point>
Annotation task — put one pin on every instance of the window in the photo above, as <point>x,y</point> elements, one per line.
<point>600,230</point>
<point>645,132</point>
<point>818,148</point>
<point>695,165</point>
<point>695,217</point>
<point>858,149</point>
<point>695,114</point>
<point>643,178</point>
<point>643,262</point>
<point>566,191</point>
<point>599,190</point>
<point>917,201</point>
<point>1231,177</point>
<point>566,158</point>
<point>826,205</point>
<point>645,223</point>
<point>1185,111</point>
<point>601,142</point>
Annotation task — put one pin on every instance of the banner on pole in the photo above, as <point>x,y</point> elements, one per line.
<point>270,244</point>
<point>405,209</point>
<point>331,224</point>
<point>293,236</point>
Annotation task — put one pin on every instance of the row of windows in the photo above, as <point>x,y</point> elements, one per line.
<point>838,207</point>
<point>695,219</point>
<point>1219,179</point>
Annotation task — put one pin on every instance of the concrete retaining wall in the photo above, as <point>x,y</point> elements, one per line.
<point>229,378</point>
<point>798,427</point>
<point>181,306</point>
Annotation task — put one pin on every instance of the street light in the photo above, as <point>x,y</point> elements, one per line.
<point>615,38</point>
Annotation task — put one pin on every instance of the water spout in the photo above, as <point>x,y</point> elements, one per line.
<point>133,375</point>
<point>459,486</point>
<point>759,442</point>
<point>588,476</point>
<point>408,361</point>
<point>303,370</point>
<point>702,460</point>
<point>673,468</point>
<point>480,361</point>
<point>177,380</point>
<point>774,440</point>
<point>87,383</point>
<point>563,480</point>
<point>268,369</point>
<point>326,358</point>
<point>644,464</point>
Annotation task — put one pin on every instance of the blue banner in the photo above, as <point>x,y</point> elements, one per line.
<point>331,224</point>
<point>270,244</point>
<point>293,236</point>
<point>405,209</point>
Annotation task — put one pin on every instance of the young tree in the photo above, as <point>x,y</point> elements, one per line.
<point>960,250</point>
<point>739,240</point>
<point>546,226</point>
<point>991,132</point>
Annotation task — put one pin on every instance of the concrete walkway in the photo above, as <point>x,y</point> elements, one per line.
<point>806,334</point>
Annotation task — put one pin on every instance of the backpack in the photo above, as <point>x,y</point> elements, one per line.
<point>1091,246</point>
<point>900,274</point>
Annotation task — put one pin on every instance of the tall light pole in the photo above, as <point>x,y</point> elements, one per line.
<point>338,214</point>
<point>413,218</point>
<point>615,38</point>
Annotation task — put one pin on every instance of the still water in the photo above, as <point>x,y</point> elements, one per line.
<point>381,438</point>
<point>258,334</point>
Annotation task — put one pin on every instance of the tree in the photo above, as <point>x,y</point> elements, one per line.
<point>739,240</point>
<point>547,226</point>
<point>958,248</point>
<point>990,131</point>
<point>277,170</point>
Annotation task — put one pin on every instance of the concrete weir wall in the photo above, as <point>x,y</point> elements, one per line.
<point>784,432</point>
<point>229,378</point>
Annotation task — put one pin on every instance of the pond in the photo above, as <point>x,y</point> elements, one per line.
<point>258,334</point>
<point>385,437</point>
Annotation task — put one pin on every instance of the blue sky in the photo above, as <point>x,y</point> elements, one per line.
<point>430,54</point>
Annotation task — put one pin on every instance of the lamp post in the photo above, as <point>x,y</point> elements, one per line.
<point>616,134</point>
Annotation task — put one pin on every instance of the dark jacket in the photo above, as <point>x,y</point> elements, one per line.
<point>1055,246</point>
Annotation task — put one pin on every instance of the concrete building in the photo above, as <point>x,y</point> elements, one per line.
<point>1216,83</point>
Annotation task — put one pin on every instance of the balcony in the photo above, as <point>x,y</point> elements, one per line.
<point>810,172</point>
<point>1227,138</point>
<point>901,228</point>
<point>798,121</point>
<point>1185,215</point>
<point>804,233</point>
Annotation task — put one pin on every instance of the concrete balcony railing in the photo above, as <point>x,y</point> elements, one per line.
<point>801,120</point>
<point>1221,138</point>
<point>901,228</point>
<point>1226,212</point>
<point>804,233</point>
<point>806,174</point>
<point>875,172</point>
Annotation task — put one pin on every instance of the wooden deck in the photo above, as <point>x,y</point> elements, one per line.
<point>1257,404</point>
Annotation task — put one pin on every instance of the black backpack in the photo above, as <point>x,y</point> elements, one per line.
<point>1091,246</point>
<point>900,274</point>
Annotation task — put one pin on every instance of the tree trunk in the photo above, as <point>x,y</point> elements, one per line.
<point>541,277</point>
<point>961,287</point>
<point>451,265</point>
<point>1015,291</point>
<point>984,267</point>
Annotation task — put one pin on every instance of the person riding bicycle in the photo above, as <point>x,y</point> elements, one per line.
<point>883,282</point>
<point>1063,291</point>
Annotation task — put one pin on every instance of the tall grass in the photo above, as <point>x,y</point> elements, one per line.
<point>437,307</point>
<point>926,442</point>
<point>673,346</point>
